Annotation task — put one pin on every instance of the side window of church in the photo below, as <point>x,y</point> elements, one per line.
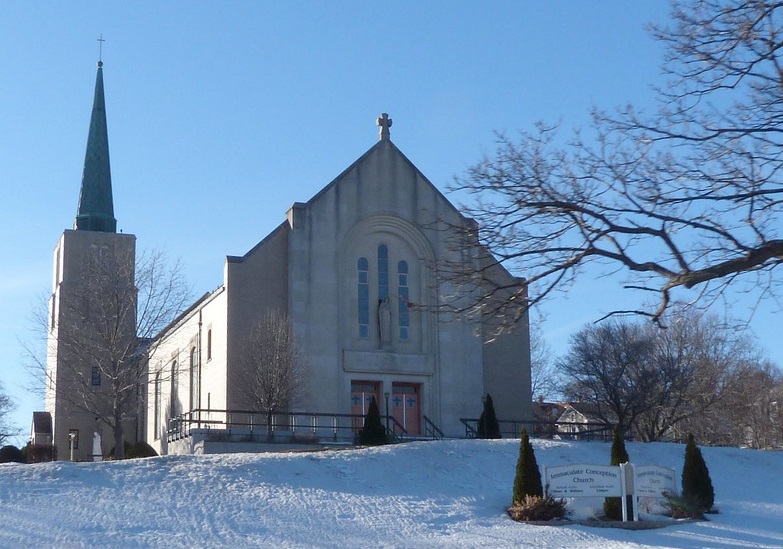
<point>95,378</point>
<point>157,406</point>
<point>402,292</point>
<point>174,388</point>
<point>383,272</point>
<point>362,267</point>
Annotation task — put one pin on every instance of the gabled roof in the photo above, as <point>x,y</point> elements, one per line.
<point>42,423</point>
<point>383,143</point>
<point>96,205</point>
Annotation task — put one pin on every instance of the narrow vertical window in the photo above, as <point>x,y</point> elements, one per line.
<point>193,378</point>
<point>402,294</point>
<point>383,272</point>
<point>209,344</point>
<point>174,388</point>
<point>362,267</point>
<point>96,376</point>
<point>156,409</point>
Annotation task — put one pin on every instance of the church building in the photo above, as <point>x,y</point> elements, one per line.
<point>360,274</point>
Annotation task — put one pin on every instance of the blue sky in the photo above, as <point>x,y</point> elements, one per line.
<point>223,114</point>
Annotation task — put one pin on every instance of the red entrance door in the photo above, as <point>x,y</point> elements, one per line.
<point>361,396</point>
<point>406,406</point>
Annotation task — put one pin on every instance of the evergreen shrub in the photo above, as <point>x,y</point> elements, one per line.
<point>612,508</point>
<point>11,454</point>
<point>373,433</point>
<point>697,490</point>
<point>527,481</point>
<point>140,450</point>
<point>488,426</point>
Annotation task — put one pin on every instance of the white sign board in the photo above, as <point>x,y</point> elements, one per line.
<point>653,481</point>
<point>569,481</point>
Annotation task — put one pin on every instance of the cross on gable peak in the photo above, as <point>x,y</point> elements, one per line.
<point>385,123</point>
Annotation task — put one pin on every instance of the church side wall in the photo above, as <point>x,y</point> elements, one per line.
<point>187,371</point>
<point>507,359</point>
<point>255,284</point>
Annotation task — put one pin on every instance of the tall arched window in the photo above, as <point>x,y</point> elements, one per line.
<point>193,378</point>
<point>174,389</point>
<point>404,319</point>
<point>156,409</point>
<point>383,272</point>
<point>363,268</point>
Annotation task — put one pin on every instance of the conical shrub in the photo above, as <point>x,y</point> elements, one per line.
<point>488,422</point>
<point>697,487</point>
<point>373,432</point>
<point>527,481</point>
<point>612,508</point>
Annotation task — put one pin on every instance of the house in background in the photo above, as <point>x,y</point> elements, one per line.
<point>41,429</point>
<point>581,420</point>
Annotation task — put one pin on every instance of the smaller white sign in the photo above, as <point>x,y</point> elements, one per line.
<point>569,481</point>
<point>654,480</point>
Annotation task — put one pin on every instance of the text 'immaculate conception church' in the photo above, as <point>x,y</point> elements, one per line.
<point>358,277</point>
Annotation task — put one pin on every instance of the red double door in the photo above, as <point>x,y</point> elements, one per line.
<point>404,401</point>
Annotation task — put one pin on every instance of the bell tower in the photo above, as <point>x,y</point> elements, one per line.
<point>93,270</point>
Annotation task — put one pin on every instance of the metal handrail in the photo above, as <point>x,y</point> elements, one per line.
<point>431,429</point>
<point>546,429</point>
<point>296,425</point>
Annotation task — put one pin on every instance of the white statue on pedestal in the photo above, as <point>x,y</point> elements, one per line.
<point>97,454</point>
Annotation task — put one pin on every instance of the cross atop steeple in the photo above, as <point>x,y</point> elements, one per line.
<point>100,50</point>
<point>385,123</point>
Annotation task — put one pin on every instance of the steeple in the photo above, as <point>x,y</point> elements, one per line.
<point>96,206</point>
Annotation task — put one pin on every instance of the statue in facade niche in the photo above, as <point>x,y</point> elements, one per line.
<point>385,321</point>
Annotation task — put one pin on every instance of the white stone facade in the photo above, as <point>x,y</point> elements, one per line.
<point>357,271</point>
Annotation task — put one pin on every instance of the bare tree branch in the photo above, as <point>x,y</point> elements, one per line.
<point>688,197</point>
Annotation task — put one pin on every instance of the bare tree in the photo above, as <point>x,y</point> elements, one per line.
<point>697,360</point>
<point>6,407</point>
<point>544,380</point>
<point>610,366</point>
<point>684,201</point>
<point>271,368</point>
<point>650,380</point>
<point>103,336</point>
<point>749,413</point>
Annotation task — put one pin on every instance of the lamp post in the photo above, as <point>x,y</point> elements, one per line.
<point>71,439</point>
<point>386,396</point>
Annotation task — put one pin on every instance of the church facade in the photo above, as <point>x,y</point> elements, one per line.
<point>358,272</point>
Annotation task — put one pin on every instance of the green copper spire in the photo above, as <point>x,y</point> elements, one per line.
<point>96,206</point>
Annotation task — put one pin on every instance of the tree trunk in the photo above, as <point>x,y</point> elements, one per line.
<point>119,446</point>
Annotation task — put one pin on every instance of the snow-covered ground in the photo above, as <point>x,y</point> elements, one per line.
<point>424,494</point>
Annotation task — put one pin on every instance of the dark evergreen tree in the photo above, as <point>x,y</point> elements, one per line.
<point>527,481</point>
<point>612,508</point>
<point>488,422</point>
<point>373,432</point>
<point>11,454</point>
<point>697,487</point>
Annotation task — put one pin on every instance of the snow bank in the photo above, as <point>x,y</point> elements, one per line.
<point>424,494</point>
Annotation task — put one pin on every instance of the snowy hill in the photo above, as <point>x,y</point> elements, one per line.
<point>424,494</point>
